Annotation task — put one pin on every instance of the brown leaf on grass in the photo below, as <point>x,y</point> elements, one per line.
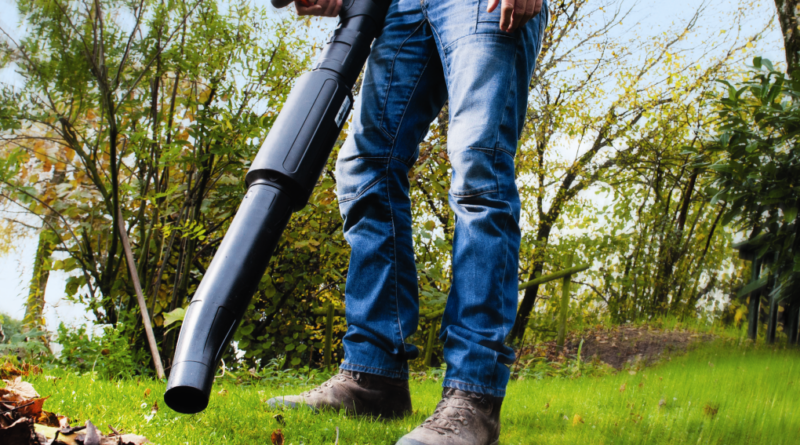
<point>577,420</point>
<point>146,392</point>
<point>154,409</point>
<point>277,437</point>
<point>20,388</point>
<point>47,418</point>
<point>9,371</point>
<point>127,439</point>
<point>34,409</point>
<point>622,388</point>
<point>29,369</point>
<point>711,410</point>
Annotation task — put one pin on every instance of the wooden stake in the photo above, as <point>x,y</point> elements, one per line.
<point>562,313</point>
<point>328,335</point>
<point>148,329</point>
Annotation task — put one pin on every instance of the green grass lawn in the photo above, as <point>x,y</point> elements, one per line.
<point>718,393</point>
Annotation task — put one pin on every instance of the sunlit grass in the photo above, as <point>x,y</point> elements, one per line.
<point>720,393</point>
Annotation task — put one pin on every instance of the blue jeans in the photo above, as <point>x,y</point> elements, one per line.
<point>431,51</point>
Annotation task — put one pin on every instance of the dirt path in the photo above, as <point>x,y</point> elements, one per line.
<point>620,345</point>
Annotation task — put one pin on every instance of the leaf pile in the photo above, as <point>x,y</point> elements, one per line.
<point>23,421</point>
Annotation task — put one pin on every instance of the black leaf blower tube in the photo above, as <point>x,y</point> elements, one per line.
<point>280,181</point>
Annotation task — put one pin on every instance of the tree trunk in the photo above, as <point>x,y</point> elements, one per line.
<point>787,16</point>
<point>34,307</point>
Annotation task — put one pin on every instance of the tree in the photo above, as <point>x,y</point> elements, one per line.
<point>603,110</point>
<point>152,111</point>
<point>754,159</point>
<point>790,26</point>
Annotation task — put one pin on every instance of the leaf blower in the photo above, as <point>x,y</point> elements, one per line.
<point>279,182</point>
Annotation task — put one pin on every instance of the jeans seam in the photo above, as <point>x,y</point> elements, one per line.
<point>356,365</point>
<point>396,308</point>
<point>416,85</point>
<point>477,192</point>
<point>490,388</point>
<point>442,48</point>
<point>391,76</point>
<point>361,193</point>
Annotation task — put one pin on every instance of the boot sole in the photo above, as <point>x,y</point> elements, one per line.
<point>416,442</point>
<point>279,403</point>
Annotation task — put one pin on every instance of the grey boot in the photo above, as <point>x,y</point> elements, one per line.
<point>357,393</point>
<point>461,418</point>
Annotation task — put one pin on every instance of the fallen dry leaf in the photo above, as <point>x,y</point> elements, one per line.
<point>32,408</point>
<point>126,439</point>
<point>92,435</point>
<point>622,388</point>
<point>577,419</point>
<point>277,437</point>
<point>22,389</point>
<point>9,371</point>
<point>711,410</point>
<point>146,392</point>
<point>18,433</point>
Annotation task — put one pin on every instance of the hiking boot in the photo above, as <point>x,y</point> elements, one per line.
<point>461,418</point>
<point>357,393</point>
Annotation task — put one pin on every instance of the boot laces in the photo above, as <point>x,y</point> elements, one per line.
<point>442,422</point>
<point>329,384</point>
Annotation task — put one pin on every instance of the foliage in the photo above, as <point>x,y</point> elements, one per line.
<point>755,161</point>
<point>18,345</point>
<point>10,326</point>
<point>107,354</point>
<point>152,111</point>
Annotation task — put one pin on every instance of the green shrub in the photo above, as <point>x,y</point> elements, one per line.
<point>108,355</point>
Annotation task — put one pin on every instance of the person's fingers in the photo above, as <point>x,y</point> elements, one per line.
<point>339,7</point>
<point>492,5</point>
<point>518,14</point>
<point>330,8</point>
<point>538,8</point>
<point>530,10</point>
<point>505,15</point>
<point>308,10</point>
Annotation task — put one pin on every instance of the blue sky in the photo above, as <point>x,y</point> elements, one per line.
<point>648,18</point>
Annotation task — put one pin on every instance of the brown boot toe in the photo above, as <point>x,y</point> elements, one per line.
<point>461,418</point>
<point>355,392</point>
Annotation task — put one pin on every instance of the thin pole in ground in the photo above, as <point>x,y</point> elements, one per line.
<point>562,313</point>
<point>148,329</point>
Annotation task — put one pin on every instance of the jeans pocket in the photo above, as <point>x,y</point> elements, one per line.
<point>473,172</point>
<point>489,22</point>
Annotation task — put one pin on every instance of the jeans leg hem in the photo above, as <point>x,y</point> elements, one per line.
<point>392,374</point>
<point>464,386</point>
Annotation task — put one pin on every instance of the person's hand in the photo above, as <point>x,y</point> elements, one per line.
<point>323,8</point>
<point>515,13</point>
